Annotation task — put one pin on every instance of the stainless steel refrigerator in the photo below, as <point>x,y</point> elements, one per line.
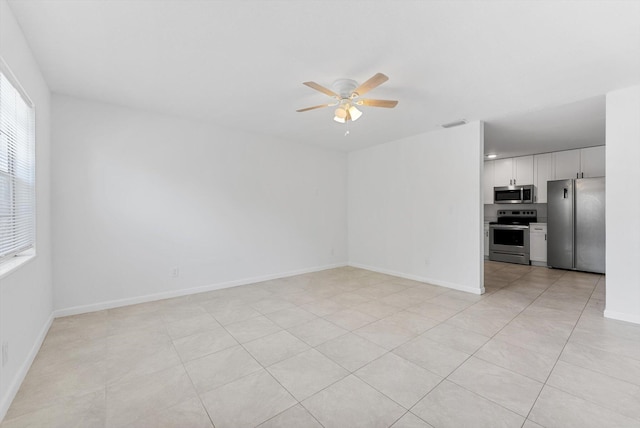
<point>575,224</point>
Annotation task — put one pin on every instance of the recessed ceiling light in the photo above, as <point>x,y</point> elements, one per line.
<point>491,156</point>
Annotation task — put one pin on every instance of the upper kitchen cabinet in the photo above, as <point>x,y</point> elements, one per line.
<point>487,184</point>
<point>523,170</point>
<point>513,171</point>
<point>567,164</point>
<point>503,172</point>
<point>542,172</point>
<point>538,169</point>
<point>580,163</point>
<point>592,162</point>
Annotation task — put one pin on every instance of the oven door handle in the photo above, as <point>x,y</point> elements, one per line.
<point>508,226</point>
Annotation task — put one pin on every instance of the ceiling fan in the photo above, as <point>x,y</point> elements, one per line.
<point>346,95</point>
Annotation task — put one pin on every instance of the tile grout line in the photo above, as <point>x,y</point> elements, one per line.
<point>349,371</point>
<point>443,378</point>
<point>563,347</point>
<point>465,360</point>
<point>587,369</point>
<point>249,374</point>
<point>269,373</point>
<point>491,337</point>
<point>197,392</point>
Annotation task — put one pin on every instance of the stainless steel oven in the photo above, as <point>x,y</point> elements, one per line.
<point>509,236</point>
<point>509,243</point>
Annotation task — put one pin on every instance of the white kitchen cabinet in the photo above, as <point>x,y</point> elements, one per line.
<point>567,164</point>
<point>486,240</point>
<point>503,172</point>
<point>538,243</point>
<point>523,170</point>
<point>513,171</point>
<point>580,163</point>
<point>542,172</point>
<point>487,182</point>
<point>592,162</point>
<point>538,169</point>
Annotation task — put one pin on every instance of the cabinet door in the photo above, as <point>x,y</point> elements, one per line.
<point>523,170</point>
<point>567,164</point>
<point>503,172</point>
<point>487,183</point>
<point>538,247</point>
<point>542,172</point>
<point>592,162</point>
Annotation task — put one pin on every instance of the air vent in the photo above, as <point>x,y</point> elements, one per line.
<point>456,123</point>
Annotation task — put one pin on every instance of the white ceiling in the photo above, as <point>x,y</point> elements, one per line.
<point>569,126</point>
<point>241,63</point>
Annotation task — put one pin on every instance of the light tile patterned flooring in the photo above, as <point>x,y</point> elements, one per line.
<point>345,348</point>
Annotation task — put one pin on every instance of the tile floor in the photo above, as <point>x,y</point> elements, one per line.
<point>345,348</point>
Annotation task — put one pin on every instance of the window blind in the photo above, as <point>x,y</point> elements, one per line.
<point>17,169</point>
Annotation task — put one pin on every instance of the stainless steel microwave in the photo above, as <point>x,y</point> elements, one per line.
<point>513,194</point>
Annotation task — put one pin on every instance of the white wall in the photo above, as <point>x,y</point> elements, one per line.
<point>136,194</point>
<point>415,207</point>
<point>26,293</point>
<point>623,205</point>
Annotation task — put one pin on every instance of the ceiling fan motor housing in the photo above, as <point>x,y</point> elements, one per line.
<point>344,87</point>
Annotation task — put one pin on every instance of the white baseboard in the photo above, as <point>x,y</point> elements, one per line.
<point>621,316</point>
<point>75,310</point>
<point>432,281</point>
<point>24,368</point>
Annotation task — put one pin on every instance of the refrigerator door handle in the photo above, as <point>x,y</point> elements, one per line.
<point>566,193</point>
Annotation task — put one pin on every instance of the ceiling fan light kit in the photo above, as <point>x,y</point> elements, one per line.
<point>346,94</point>
<point>354,113</point>
<point>340,115</point>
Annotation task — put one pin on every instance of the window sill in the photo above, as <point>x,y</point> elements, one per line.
<point>8,267</point>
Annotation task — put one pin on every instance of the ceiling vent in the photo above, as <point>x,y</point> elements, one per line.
<point>456,123</point>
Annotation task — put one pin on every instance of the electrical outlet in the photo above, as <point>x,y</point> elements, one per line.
<point>426,261</point>
<point>332,251</point>
<point>5,353</point>
<point>175,272</point>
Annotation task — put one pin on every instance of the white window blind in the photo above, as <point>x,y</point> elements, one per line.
<point>17,168</point>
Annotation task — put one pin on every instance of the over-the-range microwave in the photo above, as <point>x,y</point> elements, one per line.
<point>513,194</point>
